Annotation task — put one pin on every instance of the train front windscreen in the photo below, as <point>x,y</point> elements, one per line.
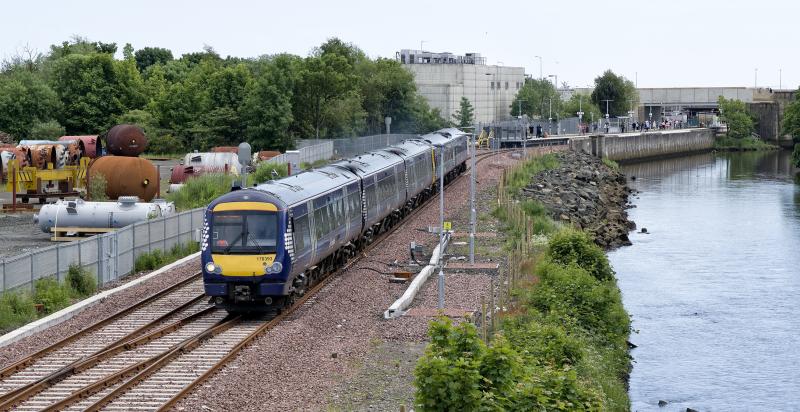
<point>244,232</point>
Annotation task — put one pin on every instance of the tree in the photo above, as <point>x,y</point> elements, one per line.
<point>49,130</point>
<point>734,114</point>
<point>267,113</point>
<point>149,56</point>
<point>537,98</point>
<point>580,102</point>
<point>25,100</point>
<point>791,119</point>
<point>464,116</point>
<point>388,90</point>
<point>621,91</point>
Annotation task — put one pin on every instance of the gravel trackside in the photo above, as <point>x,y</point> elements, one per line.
<point>337,352</point>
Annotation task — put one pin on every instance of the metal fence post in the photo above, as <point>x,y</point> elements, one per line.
<point>100,269</point>
<point>4,274</point>
<point>31,257</point>
<point>165,234</point>
<point>149,238</point>
<point>58,262</point>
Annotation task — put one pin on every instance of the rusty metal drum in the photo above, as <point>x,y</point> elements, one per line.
<point>126,140</point>
<point>126,176</point>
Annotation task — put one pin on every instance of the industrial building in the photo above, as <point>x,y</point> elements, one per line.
<point>444,78</point>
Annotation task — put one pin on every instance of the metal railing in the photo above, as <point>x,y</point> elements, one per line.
<point>110,256</point>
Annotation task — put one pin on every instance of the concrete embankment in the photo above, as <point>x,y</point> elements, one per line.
<point>636,146</point>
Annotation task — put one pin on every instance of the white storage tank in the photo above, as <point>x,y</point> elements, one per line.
<point>213,162</point>
<point>78,213</point>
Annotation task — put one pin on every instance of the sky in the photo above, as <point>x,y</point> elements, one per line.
<point>678,43</point>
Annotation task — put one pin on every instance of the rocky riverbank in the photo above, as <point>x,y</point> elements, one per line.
<point>588,194</point>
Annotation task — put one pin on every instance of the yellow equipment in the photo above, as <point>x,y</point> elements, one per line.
<point>30,182</point>
<point>483,139</point>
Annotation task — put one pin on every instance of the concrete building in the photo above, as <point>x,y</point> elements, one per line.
<point>444,78</point>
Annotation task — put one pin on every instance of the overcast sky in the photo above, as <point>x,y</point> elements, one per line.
<point>662,43</point>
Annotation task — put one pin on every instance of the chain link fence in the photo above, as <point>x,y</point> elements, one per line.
<point>110,256</point>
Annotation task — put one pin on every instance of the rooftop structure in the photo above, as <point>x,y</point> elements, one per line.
<point>444,78</point>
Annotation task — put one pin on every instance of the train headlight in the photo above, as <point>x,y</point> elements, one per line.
<point>277,267</point>
<point>211,267</point>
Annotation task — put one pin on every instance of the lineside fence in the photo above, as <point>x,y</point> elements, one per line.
<point>110,256</point>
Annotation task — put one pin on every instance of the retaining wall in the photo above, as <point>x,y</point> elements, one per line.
<point>633,146</point>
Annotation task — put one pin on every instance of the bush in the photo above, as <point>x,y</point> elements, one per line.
<point>448,375</point>
<point>571,293</point>
<point>570,246</point>
<point>549,389</point>
<point>157,258</point>
<point>200,191</point>
<point>264,170</point>
<point>796,155</point>
<point>51,294</point>
<point>541,342</point>
<point>97,187</point>
<point>16,309</point>
<point>82,282</point>
<point>49,130</point>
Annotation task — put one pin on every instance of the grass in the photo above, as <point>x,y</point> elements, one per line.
<point>199,191</point>
<point>264,173</point>
<point>746,143</point>
<point>610,163</point>
<point>520,176</point>
<point>19,307</point>
<point>158,258</point>
<point>97,188</point>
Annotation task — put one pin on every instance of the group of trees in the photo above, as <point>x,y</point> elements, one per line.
<point>538,98</point>
<point>202,99</point>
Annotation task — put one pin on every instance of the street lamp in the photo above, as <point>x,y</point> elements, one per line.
<point>580,112</point>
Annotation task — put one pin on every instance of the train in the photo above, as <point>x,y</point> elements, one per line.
<point>265,246</point>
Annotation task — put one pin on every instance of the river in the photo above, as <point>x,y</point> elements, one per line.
<point>714,287</point>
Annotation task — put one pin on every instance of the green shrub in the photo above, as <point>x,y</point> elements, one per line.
<point>165,144</point>
<point>49,130</point>
<point>742,143</point>
<point>157,258</point>
<point>796,155</point>
<point>550,389</point>
<point>571,293</point>
<point>264,170</point>
<point>448,375</point>
<point>543,343</point>
<point>570,246</point>
<point>97,187</point>
<point>52,294</point>
<point>200,191</point>
<point>16,309</point>
<point>82,282</point>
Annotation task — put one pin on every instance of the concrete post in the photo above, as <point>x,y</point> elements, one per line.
<point>441,229</point>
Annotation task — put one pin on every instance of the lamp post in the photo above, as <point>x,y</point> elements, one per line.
<point>441,229</point>
<point>550,116</point>
<point>580,113</point>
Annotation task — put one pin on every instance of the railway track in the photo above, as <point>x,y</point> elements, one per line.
<point>149,356</point>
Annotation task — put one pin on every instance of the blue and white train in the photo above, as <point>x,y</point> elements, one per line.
<point>263,247</point>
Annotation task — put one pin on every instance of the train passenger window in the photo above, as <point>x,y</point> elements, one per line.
<point>301,236</point>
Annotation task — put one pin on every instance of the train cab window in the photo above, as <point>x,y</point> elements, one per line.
<point>244,232</point>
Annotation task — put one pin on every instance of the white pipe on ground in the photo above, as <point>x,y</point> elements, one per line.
<point>399,306</point>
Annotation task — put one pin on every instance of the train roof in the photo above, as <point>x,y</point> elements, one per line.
<point>369,163</point>
<point>409,148</point>
<point>442,136</point>
<point>303,186</point>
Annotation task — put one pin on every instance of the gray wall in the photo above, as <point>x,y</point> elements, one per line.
<point>633,146</point>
